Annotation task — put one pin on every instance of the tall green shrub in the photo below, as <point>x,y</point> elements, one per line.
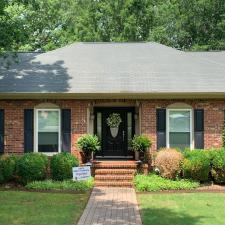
<point>61,166</point>
<point>218,166</point>
<point>32,167</point>
<point>7,168</point>
<point>196,165</point>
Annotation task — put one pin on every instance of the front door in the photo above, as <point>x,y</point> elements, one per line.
<point>115,141</point>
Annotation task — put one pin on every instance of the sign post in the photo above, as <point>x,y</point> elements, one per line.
<point>81,173</point>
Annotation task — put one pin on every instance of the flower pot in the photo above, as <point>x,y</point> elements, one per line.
<point>88,156</point>
<point>114,131</point>
<point>142,156</point>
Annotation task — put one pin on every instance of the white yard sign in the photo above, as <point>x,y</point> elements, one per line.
<point>81,173</point>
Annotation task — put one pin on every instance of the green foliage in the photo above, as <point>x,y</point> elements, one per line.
<point>114,120</point>
<point>223,134</point>
<point>49,24</point>
<point>196,164</point>
<point>61,185</point>
<point>156,183</point>
<point>141,143</point>
<point>7,168</point>
<point>88,143</point>
<point>31,167</point>
<point>218,166</point>
<point>61,166</point>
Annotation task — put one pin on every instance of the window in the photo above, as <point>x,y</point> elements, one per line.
<point>48,130</point>
<point>179,129</point>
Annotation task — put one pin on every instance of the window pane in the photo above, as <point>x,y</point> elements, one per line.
<point>48,131</point>
<point>99,125</point>
<point>129,129</point>
<point>48,141</point>
<point>180,140</point>
<point>48,121</point>
<point>179,121</point>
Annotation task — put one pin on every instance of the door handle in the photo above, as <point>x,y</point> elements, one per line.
<point>123,135</point>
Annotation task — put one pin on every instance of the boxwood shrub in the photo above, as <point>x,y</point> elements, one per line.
<point>61,166</point>
<point>32,167</point>
<point>218,165</point>
<point>7,168</point>
<point>196,165</point>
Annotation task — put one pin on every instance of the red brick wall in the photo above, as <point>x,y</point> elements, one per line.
<point>213,119</point>
<point>14,121</point>
<point>14,109</point>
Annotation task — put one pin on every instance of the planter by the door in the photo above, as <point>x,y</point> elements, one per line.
<point>88,156</point>
<point>114,131</point>
<point>142,156</point>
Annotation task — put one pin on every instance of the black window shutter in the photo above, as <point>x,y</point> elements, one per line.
<point>199,128</point>
<point>1,131</point>
<point>66,130</point>
<point>161,128</point>
<point>28,130</point>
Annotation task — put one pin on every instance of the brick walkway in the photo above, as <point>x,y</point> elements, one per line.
<point>111,206</point>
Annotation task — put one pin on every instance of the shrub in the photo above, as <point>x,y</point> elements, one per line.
<point>169,161</point>
<point>31,167</point>
<point>156,183</point>
<point>61,166</point>
<point>7,168</point>
<point>62,185</point>
<point>196,165</point>
<point>218,166</point>
<point>141,143</point>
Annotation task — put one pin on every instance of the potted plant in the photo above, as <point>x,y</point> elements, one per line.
<point>140,144</point>
<point>113,121</point>
<point>88,143</point>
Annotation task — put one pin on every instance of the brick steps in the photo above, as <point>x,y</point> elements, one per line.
<point>114,177</point>
<point>113,184</point>
<point>114,173</point>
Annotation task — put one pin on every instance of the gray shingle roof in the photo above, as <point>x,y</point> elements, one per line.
<point>116,68</point>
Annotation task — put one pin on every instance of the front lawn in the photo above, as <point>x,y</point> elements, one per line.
<point>182,209</point>
<point>33,208</point>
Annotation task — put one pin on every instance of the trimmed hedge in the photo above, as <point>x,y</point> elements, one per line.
<point>32,167</point>
<point>7,168</point>
<point>218,165</point>
<point>61,166</point>
<point>196,165</point>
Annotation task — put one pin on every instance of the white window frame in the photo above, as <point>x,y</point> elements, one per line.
<point>36,131</point>
<point>168,124</point>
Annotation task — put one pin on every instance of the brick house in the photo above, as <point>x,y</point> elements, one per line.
<point>48,100</point>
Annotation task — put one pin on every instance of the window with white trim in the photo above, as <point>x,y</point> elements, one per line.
<point>48,130</point>
<point>179,128</point>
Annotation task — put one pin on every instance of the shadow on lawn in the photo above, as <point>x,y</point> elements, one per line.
<point>163,216</point>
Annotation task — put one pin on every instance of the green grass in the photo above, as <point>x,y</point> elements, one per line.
<point>156,183</point>
<point>182,209</point>
<point>62,185</point>
<point>33,208</point>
